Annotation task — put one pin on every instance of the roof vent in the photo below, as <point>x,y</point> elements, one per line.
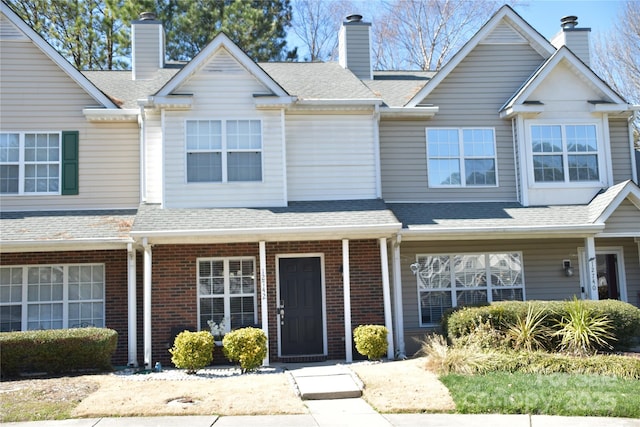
<point>568,22</point>
<point>354,18</point>
<point>147,16</point>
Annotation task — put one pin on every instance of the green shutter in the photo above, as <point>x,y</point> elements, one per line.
<point>70,142</point>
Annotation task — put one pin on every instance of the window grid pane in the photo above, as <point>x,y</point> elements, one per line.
<point>461,157</point>
<point>227,290</point>
<point>42,168</point>
<point>471,286</point>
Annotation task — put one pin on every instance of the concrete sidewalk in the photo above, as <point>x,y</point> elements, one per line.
<point>330,414</point>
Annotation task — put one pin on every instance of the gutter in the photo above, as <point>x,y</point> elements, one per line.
<point>66,244</point>
<point>442,233</point>
<point>272,234</point>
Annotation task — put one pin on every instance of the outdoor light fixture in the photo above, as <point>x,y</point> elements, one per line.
<point>568,270</point>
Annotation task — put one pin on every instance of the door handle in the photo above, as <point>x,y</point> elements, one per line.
<point>280,312</point>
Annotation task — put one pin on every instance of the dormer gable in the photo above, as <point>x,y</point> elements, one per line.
<point>504,27</point>
<point>14,29</point>
<point>564,78</point>
<point>222,56</point>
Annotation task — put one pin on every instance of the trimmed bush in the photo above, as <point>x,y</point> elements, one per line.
<point>247,346</point>
<point>192,350</point>
<point>624,318</point>
<point>371,341</point>
<point>57,351</point>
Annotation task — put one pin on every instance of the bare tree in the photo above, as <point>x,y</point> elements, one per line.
<point>423,34</point>
<point>317,23</point>
<point>617,58</point>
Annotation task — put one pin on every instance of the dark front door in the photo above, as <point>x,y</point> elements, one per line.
<point>301,296</point>
<point>608,276</point>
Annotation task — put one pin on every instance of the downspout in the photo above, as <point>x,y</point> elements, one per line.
<point>514,136</point>
<point>634,170</point>
<point>143,155</point>
<point>397,298</point>
<point>264,305</point>
<point>386,296</point>
<point>147,303</point>
<point>376,150</point>
<point>131,309</point>
<point>346,283</point>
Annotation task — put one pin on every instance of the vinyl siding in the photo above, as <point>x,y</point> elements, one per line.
<point>36,95</point>
<point>224,91</point>
<point>620,150</point>
<point>147,47</point>
<point>153,156</point>
<point>542,261</point>
<point>470,96</point>
<point>355,51</point>
<point>625,219</point>
<point>330,157</point>
<point>543,275</point>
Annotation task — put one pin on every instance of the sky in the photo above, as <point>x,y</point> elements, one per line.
<point>544,15</point>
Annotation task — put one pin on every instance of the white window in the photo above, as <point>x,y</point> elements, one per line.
<point>30,163</point>
<point>224,151</point>
<point>51,297</point>
<point>227,290</point>
<point>461,157</point>
<point>565,153</point>
<point>451,280</point>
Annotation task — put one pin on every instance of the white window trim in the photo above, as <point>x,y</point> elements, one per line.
<point>22,164</point>
<point>452,290</point>
<point>25,303</point>
<point>223,150</point>
<point>461,157</point>
<point>603,172</point>
<point>227,286</point>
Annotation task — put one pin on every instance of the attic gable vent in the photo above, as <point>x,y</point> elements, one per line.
<point>10,32</point>
<point>504,33</point>
<point>223,62</point>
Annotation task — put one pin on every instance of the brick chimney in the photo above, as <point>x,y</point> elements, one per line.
<point>576,39</point>
<point>147,46</point>
<point>354,49</point>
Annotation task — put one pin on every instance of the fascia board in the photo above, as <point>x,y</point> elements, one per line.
<point>406,112</point>
<point>270,234</point>
<point>221,41</point>
<point>515,20</point>
<point>58,59</point>
<point>488,233</point>
<point>108,115</point>
<point>12,246</point>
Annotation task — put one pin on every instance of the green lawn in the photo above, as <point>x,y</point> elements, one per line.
<point>554,394</point>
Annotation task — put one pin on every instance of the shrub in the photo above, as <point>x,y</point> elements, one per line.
<point>57,351</point>
<point>444,359</point>
<point>624,318</point>
<point>192,350</point>
<point>482,336</point>
<point>371,341</point>
<point>529,332</point>
<point>248,346</point>
<point>582,331</point>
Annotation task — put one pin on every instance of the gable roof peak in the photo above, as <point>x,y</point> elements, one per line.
<point>221,41</point>
<point>534,38</point>
<point>56,57</point>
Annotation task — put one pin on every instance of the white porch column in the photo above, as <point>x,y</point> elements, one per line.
<point>264,306</point>
<point>386,295</point>
<point>592,268</point>
<point>132,345</point>
<point>147,304</point>
<point>346,282</point>
<point>397,298</point>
